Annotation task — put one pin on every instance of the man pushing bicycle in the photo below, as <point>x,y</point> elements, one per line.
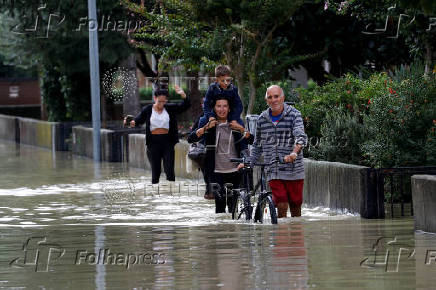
<point>280,136</point>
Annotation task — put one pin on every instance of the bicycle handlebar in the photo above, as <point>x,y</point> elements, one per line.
<point>279,159</point>
<point>237,160</point>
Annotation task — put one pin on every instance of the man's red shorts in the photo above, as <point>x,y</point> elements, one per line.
<point>289,191</point>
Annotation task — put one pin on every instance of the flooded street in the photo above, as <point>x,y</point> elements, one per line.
<point>65,224</point>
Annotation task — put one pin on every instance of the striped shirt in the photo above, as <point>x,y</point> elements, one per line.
<point>276,141</point>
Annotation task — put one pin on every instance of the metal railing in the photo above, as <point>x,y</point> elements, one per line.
<point>398,180</point>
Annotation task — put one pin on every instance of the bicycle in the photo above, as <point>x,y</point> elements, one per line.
<point>265,211</point>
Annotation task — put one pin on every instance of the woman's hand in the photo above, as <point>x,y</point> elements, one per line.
<point>180,91</point>
<point>212,123</point>
<point>200,132</point>
<point>240,165</point>
<point>236,126</point>
<point>132,123</point>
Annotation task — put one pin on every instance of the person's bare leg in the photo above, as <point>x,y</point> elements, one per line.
<point>282,209</point>
<point>295,210</point>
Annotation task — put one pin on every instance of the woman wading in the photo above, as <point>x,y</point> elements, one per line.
<point>223,141</point>
<point>161,133</point>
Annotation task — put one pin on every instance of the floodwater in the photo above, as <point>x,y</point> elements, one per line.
<point>66,224</point>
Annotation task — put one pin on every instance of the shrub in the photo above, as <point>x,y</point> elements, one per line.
<point>316,101</point>
<point>342,135</point>
<point>430,145</point>
<point>399,120</point>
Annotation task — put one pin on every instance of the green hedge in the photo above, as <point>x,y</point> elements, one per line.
<point>383,121</point>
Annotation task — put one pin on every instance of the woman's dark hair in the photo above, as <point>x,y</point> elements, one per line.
<point>221,97</point>
<point>161,92</point>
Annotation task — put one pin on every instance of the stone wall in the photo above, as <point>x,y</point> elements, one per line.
<point>338,186</point>
<point>424,202</point>
<point>83,143</point>
<point>9,129</point>
<point>138,158</point>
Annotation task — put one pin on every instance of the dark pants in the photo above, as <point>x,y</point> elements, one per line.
<point>217,182</point>
<point>161,148</point>
<point>206,179</point>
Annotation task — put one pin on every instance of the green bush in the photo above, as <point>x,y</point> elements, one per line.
<point>342,134</point>
<point>387,121</point>
<point>430,145</point>
<point>399,120</point>
<point>316,101</point>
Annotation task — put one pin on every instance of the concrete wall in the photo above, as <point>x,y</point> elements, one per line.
<point>9,128</point>
<point>138,157</point>
<point>51,135</point>
<point>38,133</point>
<point>424,202</point>
<point>338,186</point>
<point>83,143</point>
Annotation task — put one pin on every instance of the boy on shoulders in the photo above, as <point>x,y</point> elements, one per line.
<point>222,86</point>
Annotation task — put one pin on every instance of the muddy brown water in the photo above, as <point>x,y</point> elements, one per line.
<point>68,224</point>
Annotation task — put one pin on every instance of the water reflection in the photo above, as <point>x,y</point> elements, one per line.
<point>63,201</point>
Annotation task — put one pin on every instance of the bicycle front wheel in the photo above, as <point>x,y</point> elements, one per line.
<point>266,211</point>
<point>242,208</point>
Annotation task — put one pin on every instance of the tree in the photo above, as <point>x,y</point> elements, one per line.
<point>178,39</point>
<point>197,34</point>
<point>58,45</point>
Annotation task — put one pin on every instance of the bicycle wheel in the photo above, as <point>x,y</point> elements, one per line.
<point>242,208</point>
<point>266,211</point>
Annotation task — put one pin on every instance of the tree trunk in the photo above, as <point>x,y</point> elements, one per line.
<point>252,94</point>
<point>428,59</point>
<point>237,63</point>
<point>194,95</point>
<point>131,104</point>
<point>241,84</point>
<point>252,78</point>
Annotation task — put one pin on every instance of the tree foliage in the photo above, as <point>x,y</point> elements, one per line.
<point>54,36</point>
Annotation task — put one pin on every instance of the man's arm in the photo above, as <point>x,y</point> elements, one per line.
<point>298,132</point>
<point>300,138</point>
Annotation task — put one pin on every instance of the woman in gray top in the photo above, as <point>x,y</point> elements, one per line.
<point>223,141</point>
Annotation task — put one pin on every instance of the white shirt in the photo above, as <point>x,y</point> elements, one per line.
<point>161,120</point>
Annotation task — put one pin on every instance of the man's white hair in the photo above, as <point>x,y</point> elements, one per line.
<point>274,87</point>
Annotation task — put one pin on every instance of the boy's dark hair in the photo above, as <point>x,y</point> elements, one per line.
<point>222,70</point>
<point>161,92</point>
<point>221,97</point>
